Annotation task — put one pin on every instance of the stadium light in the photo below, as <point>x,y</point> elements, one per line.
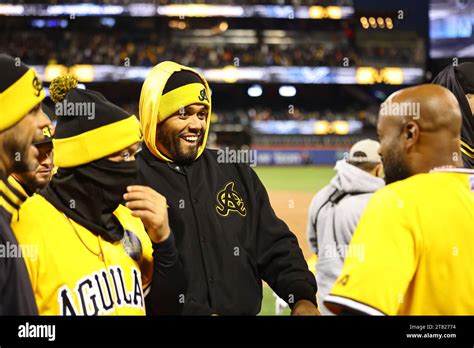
<point>287,91</point>
<point>340,127</point>
<point>54,70</point>
<point>373,22</point>
<point>11,10</point>
<point>38,23</point>
<point>83,72</point>
<point>364,22</point>
<point>255,91</point>
<point>107,22</point>
<point>321,127</point>
<point>316,12</point>
<point>366,75</point>
<point>334,12</point>
<point>201,10</point>
<point>393,76</point>
<point>223,26</point>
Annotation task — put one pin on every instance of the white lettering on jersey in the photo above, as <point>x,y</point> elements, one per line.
<point>95,296</point>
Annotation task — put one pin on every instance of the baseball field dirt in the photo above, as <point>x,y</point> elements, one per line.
<point>292,207</point>
<point>291,190</point>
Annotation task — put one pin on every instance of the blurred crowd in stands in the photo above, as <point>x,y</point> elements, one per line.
<point>245,117</point>
<point>181,2</point>
<point>69,48</point>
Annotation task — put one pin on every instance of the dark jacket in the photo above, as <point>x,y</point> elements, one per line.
<point>447,78</point>
<point>16,294</point>
<point>228,236</point>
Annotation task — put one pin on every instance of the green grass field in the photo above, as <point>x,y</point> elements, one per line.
<point>307,179</point>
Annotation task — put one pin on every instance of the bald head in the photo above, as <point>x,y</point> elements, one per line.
<point>432,107</point>
<point>419,129</point>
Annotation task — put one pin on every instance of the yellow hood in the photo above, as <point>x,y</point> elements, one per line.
<point>150,98</point>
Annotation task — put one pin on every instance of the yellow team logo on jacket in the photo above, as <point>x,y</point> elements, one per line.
<point>229,200</point>
<point>46,132</point>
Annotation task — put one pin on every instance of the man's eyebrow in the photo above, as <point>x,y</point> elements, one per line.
<point>196,108</point>
<point>202,108</point>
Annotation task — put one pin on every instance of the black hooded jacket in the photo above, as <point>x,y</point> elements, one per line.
<point>447,78</point>
<point>228,236</point>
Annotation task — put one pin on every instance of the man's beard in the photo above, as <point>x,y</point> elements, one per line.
<point>32,183</point>
<point>172,143</point>
<point>395,167</point>
<point>18,151</point>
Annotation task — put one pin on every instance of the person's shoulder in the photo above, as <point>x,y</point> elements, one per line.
<point>218,157</point>
<point>36,205</point>
<point>414,185</point>
<point>355,201</point>
<point>36,217</point>
<point>210,153</point>
<point>145,157</point>
<point>322,195</point>
<point>13,181</point>
<point>403,193</point>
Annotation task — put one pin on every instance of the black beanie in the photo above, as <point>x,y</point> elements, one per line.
<point>183,88</point>
<point>89,127</point>
<point>20,91</point>
<point>465,76</point>
<point>11,71</point>
<point>179,79</point>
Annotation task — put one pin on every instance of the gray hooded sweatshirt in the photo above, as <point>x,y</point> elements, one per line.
<point>333,216</point>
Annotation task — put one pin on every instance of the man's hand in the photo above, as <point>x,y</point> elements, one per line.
<point>304,307</point>
<point>151,208</point>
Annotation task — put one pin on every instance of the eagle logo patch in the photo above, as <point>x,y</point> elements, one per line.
<point>229,200</point>
<point>37,86</point>
<point>203,95</point>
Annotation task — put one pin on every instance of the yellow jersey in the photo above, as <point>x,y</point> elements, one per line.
<point>75,272</point>
<point>412,252</point>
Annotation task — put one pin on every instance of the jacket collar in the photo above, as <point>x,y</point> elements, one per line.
<point>155,162</point>
<point>452,170</point>
<point>10,197</point>
<point>16,184</point>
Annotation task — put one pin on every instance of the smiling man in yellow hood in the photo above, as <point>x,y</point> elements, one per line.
<point>172,95</point>
<point>227,234</point>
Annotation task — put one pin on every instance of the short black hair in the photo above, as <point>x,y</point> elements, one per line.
<point>365,166</point>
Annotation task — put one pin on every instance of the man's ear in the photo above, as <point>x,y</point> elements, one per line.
<point>410,134</point>
<point>379,173</point>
